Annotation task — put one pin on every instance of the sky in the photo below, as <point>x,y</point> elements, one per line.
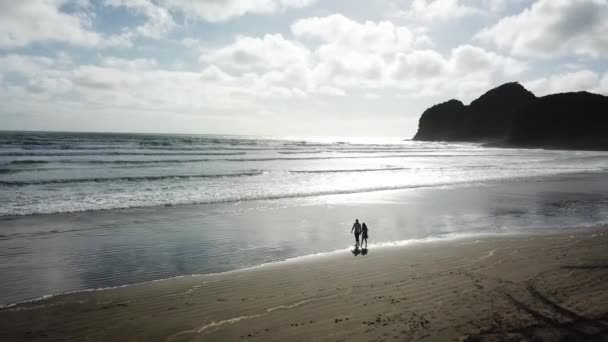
<point>283,67</point>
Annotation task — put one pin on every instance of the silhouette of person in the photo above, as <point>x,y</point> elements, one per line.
<point>364,234</point>
<point>357,229</point>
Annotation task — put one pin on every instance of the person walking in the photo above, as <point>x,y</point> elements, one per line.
<point>357,229</point>
<point>364,234</point>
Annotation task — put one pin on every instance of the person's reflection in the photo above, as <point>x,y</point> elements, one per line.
<point>357,251</point>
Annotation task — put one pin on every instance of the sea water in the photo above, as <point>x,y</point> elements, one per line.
<point>88,210</point>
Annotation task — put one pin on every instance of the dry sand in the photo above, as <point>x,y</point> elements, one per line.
<point>513,287</point>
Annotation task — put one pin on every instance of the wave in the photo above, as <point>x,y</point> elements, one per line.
<point>299,152</point>
<point>126,179</point>
<point>347,157</point>
<point>65,148</point>
<point>247,198</point>
<point>27,161</point>
<point>175,161</point>
<point>64,154</point>
<point>351,170</point>
<point>135,162</point>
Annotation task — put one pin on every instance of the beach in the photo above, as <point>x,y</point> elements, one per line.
<point>302,170</point>
<point>518,286</point>
<point>129,237</point>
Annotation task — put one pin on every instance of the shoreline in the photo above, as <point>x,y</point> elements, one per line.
<point>106,249</point>
<point>424,291</point>
<point>302,258</point>
<point>455,237</point>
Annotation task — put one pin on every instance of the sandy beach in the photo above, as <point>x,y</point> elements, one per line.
<point>207,170</point>
<point>489,287</point>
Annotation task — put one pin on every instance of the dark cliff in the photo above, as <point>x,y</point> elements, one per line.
<point>510,115</point>
<point>568,120</point>
<point>445,121</point>
<point>485,119</point>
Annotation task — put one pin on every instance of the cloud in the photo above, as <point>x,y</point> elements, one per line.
<point>25,65</point>
<point>439,11</point>
<point>348,53</point>
<point>323,64</point>
<point>567,82</point>
<point>50,85</point>
<point>29,21</point>
<point>371,96</point>
<point>158,19</point>
<point>130,64</point>
<point>133,85</point>
<point>268,52</point>
<point>332,55</point>
<point>418,64</point>
<point>214,74</point>
<point>428,10</point>
<point>553,28</point>
<point>340,32</point>
<point>467,59</point>
<point>224,10</point>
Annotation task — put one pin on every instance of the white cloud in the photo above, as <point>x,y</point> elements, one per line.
<point>568,82</point>
<point>330,56</point>
<point>603,86</point>
<point>339,32</point>
<point>223,10</point>
<point>141,85</point>
<point>268,52</point>
<point>130,64</point>
<point>467,59</point>
<point>334,54</point>
<point>159,20</point>
<point>214,74</point>
<point>440,9</point>
<point>190,42</point>
<point>29,21</point>
<point>553,28</point>
<point>332,91</point>
<point>322,63</point>
<point>50,85</point>
<point>25,65</point>
<point>348,53</point>
<point>418,64</point>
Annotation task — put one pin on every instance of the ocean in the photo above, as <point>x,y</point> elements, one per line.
<point>81,211</point>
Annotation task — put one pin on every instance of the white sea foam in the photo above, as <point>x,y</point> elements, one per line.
<point>161,170</point>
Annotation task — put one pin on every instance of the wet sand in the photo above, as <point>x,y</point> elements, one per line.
<point>492,287</point>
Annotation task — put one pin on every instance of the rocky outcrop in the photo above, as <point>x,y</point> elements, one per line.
<point>510,115</point>
<point>566,121</point>
<point>485,119</point>
<point>445,121</point>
